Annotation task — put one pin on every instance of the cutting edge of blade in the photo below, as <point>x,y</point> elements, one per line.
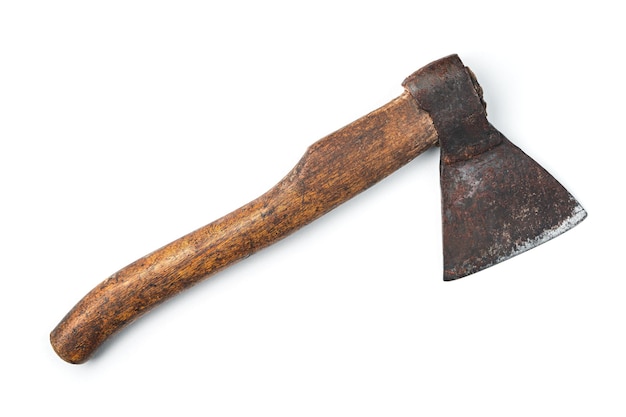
<point>577,215</point>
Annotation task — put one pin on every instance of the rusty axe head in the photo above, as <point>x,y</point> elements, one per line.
<point>496,201</point>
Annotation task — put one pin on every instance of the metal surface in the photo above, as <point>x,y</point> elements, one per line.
<point>496,201</point>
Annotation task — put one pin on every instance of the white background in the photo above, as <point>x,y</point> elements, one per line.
<point>126,124</point>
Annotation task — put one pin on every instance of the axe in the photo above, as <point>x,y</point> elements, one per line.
<point>496,202</point>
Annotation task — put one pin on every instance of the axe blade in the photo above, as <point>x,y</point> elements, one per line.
<point>497,205</point>
<point>496,201</point>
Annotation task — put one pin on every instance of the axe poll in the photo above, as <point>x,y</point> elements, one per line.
<point>496,202</point>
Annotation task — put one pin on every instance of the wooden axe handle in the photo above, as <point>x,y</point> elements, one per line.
<point>332,171</point>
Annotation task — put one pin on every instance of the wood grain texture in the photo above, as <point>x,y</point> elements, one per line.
<point>333,170</point>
